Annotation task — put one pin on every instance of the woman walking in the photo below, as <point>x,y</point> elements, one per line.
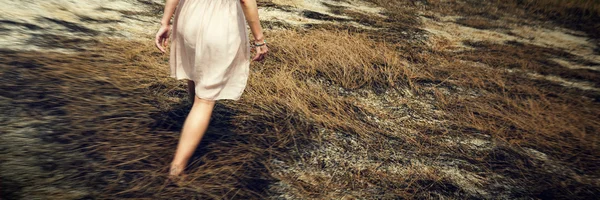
<point>209,48</point>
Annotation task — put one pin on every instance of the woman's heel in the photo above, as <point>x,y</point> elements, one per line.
<point>176,173</point>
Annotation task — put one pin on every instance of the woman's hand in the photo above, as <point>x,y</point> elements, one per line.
<point>261,52</point>
<point>162,38</point>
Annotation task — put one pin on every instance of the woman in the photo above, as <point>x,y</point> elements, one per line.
<point>210,49</point>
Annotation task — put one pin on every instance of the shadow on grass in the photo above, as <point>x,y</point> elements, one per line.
<point>212,150</point>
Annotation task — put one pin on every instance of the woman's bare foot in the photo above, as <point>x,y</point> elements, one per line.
<point>176,172</point>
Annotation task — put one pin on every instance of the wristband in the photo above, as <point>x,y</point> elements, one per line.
<point>259,45</point>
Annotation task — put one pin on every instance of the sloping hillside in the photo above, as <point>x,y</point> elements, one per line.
<point>370,99</point>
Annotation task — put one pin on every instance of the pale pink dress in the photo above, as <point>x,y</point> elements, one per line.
<point>209,45</point>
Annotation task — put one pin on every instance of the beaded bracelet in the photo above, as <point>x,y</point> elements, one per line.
<point>258,45</point>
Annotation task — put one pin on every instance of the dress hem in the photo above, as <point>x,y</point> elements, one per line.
<point>206,98</point>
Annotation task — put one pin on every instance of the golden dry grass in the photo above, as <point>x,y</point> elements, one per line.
<point>330,114</point>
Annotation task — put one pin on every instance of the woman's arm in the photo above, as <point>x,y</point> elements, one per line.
<point>251,12</point>
<point>162,36</point>
<point>170,6</point>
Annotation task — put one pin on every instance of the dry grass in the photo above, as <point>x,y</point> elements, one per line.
<point>583,15</point>
<point>125,113</point>
<point>529,58</point>
<point>331,114</point>
<point>479,23</point>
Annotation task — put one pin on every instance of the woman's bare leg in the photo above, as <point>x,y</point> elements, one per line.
<point>194,127</point>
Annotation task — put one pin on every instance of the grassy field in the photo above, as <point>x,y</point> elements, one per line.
<point>335,112</point>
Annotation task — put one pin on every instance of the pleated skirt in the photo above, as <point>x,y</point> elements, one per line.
<point>209,45</point>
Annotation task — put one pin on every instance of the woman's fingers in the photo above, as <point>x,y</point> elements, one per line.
<point>165,42</point>
<point>166,38</point>
<point>161,39</point>
<point>260,54</point>
<point>157,43</point>
<point>256,56</point>
<point>261,51</point>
